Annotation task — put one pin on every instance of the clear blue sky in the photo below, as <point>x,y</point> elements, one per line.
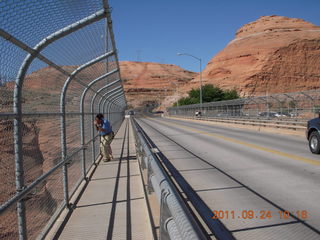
<point>155,30</point>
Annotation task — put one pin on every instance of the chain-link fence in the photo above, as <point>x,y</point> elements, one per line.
<point>58,69</point>
<point>298,105</point>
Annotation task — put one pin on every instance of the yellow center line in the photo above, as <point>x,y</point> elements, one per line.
<point>250,145</point>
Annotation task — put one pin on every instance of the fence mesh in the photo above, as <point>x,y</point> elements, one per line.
<point>41,89</point>
<point>31,21</point>
<point>74,171</point>
<point>32,149</point>
<point>42,203</point>
<point>7,168</point>
<point>297,105</point>
<point>8,224</point>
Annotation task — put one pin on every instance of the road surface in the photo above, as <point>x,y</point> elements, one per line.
<point>259,185</point>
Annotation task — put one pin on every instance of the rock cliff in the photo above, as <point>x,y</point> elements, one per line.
<point>271,55</point>
<point>147,82</point>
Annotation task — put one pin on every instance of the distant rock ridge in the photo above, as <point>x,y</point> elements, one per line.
<point>149,82</point>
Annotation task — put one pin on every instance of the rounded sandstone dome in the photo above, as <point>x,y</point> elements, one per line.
<point>274,23</point>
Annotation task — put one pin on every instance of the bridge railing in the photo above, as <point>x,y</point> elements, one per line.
<point>58,69</point>
<point>295,106</point>
<point>176,220</point>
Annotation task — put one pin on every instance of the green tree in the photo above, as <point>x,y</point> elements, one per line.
<point>194,93</point>
<point>231,94</point>
<point>210,93</point>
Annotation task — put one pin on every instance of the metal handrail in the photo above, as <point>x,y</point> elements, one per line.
<point>256,122</point>
<point>40,180</point>
<point>176,220</point>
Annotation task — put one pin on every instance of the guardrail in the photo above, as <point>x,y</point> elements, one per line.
<point>176,221</point>
<point>295,125</point>
<point>304,104</point>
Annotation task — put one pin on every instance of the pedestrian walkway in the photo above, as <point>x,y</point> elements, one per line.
<point>113,204</point>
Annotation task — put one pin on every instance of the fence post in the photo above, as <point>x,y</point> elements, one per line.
<point>21,212</point>
<point>64,153</point>
<point>164,215</point>
<point>83,144</point>
<point>92,135</point>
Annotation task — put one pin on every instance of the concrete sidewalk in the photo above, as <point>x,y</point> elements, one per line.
<point>113,204</point>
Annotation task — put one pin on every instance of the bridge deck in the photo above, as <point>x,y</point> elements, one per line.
<point>113,204</point>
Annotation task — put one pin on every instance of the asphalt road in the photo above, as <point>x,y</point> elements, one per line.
<point>250,180</point>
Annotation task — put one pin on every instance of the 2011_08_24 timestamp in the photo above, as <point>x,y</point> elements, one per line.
<point>262,214</point>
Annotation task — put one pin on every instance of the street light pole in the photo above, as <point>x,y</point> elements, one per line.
<point>199,59</point>
<point>177,92</point>
<point>200,85</point>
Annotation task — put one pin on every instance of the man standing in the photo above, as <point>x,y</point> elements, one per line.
<point>106,136</point>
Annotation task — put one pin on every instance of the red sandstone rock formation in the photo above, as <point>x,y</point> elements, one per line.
<point>144,82</point>
<point>273,54</point>
<point>150,82</point>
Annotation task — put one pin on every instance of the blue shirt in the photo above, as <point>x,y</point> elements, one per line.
<point>106,126</point>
